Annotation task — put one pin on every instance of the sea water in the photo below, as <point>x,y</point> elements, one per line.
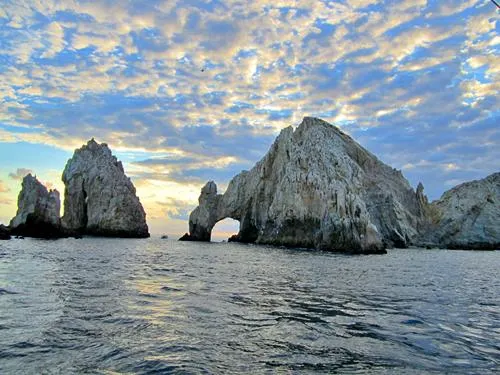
<point>110,306</point>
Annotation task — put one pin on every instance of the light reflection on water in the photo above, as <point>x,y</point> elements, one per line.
<point>144,306</point>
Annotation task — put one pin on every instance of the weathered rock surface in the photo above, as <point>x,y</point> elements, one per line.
<point>38,211</point>
<point>99,198</point>
<point>315,188</point>
<point>466,217</point>
<point>4,232</point>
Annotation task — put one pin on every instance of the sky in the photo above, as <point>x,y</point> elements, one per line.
<point>186,91</point>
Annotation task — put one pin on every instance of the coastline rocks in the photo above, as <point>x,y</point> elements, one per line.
<point>37,211</point>
<point>99,198</point>
<point>466,217</point>
<point>205,216</point>
<point>315,188</point>
<point>4,233</point>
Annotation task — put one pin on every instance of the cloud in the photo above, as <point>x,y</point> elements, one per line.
<point>176,208</point>
<point>20,173</point>
<point>54,37</point>
<point>3,188</point>
<point>5,202</point>
<point>199,90</point>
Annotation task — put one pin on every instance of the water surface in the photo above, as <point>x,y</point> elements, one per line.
<point>161,306</point>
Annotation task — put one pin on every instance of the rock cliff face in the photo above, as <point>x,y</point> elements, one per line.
<point>467,216</point>
<point>4,232</point>
<point>99,198</point>
<point>37,211</point>
<point>315,188</point>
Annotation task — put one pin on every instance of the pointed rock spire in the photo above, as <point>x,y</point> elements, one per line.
<point>99,198</point>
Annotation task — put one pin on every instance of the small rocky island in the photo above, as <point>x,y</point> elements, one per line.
<point>38,211</point>
<point>466,217</point>
<point>99,200</point>
<point>317,188</point>
<point>4,232</point>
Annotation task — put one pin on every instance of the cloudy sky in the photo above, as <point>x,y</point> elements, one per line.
<point>185,91</point>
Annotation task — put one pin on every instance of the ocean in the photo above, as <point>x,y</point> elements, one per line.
<point>153,306</point>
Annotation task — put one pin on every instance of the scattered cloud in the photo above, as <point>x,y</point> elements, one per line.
<point>20,173</point>
<point>5,202</point>
<point>199,90</point>
<point>3,188</point>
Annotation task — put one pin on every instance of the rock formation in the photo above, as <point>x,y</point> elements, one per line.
<point>315,188</point>
<point>4,232</point>
<point>99,198</point>
<point>37,211</point>
<point>466,217</point>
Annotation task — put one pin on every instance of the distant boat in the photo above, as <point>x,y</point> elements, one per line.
<point>164,237</point>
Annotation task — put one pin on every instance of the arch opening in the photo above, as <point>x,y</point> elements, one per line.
<point>224,229</point>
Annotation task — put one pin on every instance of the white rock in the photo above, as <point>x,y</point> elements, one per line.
<point>315,188</point>
<point>467,216</point>
<point>37,210</point>
<point>99,198</point>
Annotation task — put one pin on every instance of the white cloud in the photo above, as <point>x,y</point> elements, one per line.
<point>55,36</point>
<point>20,173</point>
<point>371,70</point>
<point>3,187</point>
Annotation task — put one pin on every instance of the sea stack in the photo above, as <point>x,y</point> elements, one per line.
<point>466,217</point>
<point>315,188</point>
<point>38,211</point>
<point>4,232</point>
<point>99,198</point>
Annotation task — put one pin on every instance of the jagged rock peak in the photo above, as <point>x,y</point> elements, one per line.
<point>37,210</point>
<point>422,198</point>
<point>308,122</point>
<point>467,216</point>
<point>315,188</point>
<point>99,198</point>
<point>208,191</point>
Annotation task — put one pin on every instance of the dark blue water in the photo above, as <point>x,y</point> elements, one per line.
<point>154,306</point>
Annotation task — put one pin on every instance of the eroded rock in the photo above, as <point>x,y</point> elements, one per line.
<point>466,217</point>
<point>38,211</point>
<point>315,188</point>
<point>99,198</point>
<point>4,233</point>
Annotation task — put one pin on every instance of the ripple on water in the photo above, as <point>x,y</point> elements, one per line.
<point>155,306</point>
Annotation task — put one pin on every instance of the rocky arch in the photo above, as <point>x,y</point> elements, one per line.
<point>213,208</point>
<point>315,188</point>
<point>225,229</point>
<point>204,217</point>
